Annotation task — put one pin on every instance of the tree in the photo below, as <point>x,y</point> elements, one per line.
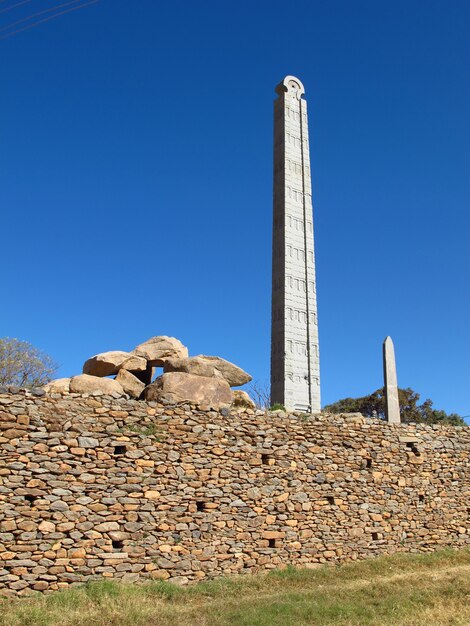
<point>260,394</point>
<point>410,411</point>
<point>23,365</point>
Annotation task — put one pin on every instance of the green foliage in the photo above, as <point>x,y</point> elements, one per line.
<point>374,406</point>
<point>277,407</point>
<point>151,430</point>
<point>23,365</point>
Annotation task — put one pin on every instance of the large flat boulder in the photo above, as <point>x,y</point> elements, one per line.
<point>175,387</point>
<point>193,365</point>
<point>59,385</point>
<point>109,363</point>
<point>233,374</point>
<point>94,384</point>
<point>130,383</point>
<point>157,350</point>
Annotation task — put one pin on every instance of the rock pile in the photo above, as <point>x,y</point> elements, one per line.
<point>201,380</point>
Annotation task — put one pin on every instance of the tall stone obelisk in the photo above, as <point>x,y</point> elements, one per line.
<point>295,362</point>
<point>392,405</point>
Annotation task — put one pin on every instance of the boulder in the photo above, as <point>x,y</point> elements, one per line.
<point>234,375</point>
<point>109,363</point>
<point>59,385</point>
<point>175,387</point>
<point>353,418</point>
<point>157,350</point>
<point>130,383</point>
<point>242,399</point>
<point>134,364</point>
<point>193,365</point>
<point>95,384</point>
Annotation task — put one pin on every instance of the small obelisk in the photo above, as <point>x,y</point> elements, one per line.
<point>392,406</point>
<point>295,361</point>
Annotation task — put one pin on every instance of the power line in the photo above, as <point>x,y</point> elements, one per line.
<point>14,6</point>
<point>30,17</point>
<point>47,19</point>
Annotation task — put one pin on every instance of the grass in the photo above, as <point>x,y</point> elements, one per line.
<point>151,430</point>
<point>277,407</point>
<point>404,589</point>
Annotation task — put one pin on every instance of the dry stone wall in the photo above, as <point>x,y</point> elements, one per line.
<point>100,486</point>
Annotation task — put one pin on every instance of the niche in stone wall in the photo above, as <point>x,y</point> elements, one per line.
<point>119,450</point>
<point>200,506</point>
<point>266,459</point>
<point>117,545</point>
<point>412,445</point>
<point>271,543</point>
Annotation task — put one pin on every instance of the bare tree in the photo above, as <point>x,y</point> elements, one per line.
<point>260,394</point>
<point>23,365</point>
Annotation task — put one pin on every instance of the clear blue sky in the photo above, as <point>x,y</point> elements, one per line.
<point>136,181</point>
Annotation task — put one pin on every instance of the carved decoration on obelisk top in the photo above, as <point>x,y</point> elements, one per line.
<point>295,369</point>
<point>392,406</point>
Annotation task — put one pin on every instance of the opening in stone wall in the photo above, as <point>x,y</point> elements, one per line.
<point>331,499</point>
<point>200,505</point>
<point>413,447</point>
<point>117,545</point>
<point>368,463</point>
<point>375,536</point>
<point>265,459</point>
<point>271,543</point>
<point>30,498</point>
<point>119,450</point>
<point>421,498</point>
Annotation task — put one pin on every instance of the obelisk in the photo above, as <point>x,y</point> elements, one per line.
<point>392,406</point>
<point>295,362</point>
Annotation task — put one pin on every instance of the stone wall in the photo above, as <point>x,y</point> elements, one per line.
<point>103,486</point>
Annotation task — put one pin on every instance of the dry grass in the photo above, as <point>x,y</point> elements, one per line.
<point>407,590</point>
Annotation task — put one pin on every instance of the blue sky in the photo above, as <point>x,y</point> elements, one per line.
<point>136,181</point>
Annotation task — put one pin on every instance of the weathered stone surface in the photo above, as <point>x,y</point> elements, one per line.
<point>233,374</point>
<point>130,383</point>
<point>94,384</point>
<point>392,406</point>
<point>356,418</point>
<point>109,363</point>
<point>193,365</point>
<point>178,387</point>
<point>59,385</point>
<point>134,364</point>
<point>294,327</point>
<point>88,442</point>
<point>105,486</point>
<point>242,399</point>
<point>158,349</point>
